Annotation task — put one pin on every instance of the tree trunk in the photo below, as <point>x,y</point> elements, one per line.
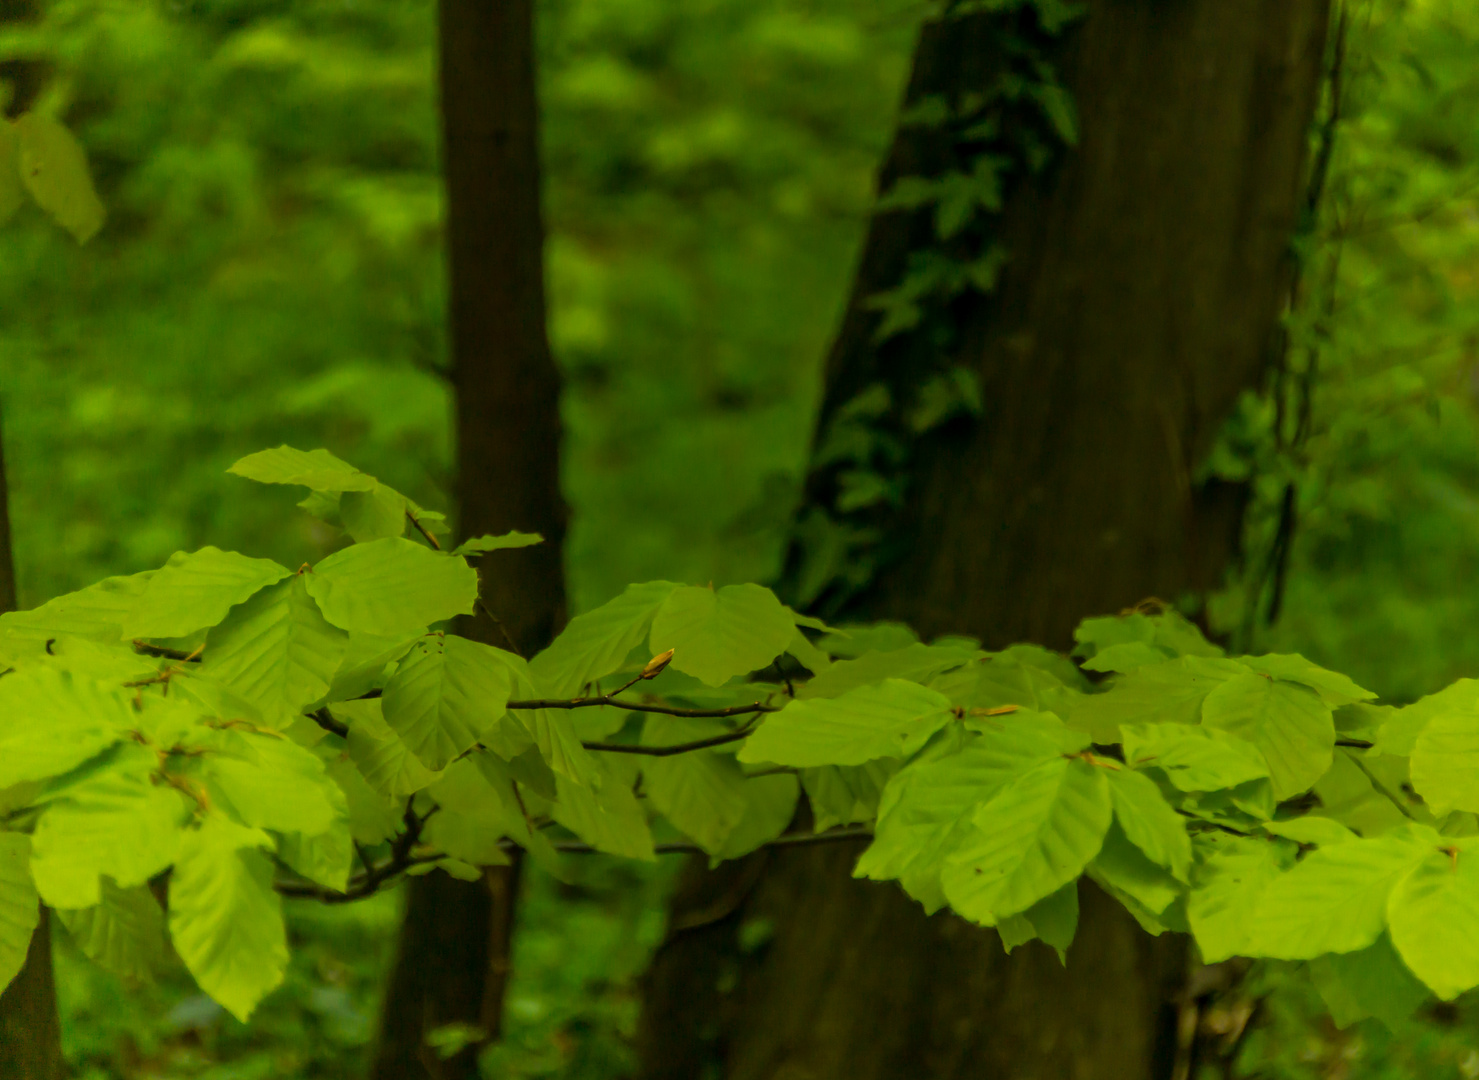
<point>453,957</point>
<point>1146,278</point>
<point>30,1033</point>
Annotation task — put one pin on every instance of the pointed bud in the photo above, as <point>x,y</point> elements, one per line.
<point>655,666</point>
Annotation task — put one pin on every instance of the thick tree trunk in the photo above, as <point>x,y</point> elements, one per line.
<point>30,1033</point>
<point>453,957</point>
<point>1147,275</point>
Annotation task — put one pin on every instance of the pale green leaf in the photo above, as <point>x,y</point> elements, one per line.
<point>701,793</point>
<point>1319,831</point>
<point>52,721</point>
<point>1371,982</point>
<point>122,933</point>
<point>597,643</point>
<point>609,819</point>
<point>117,823</point>
<point>12,191</point>
<point>1398,736</point>
<point>915,662</point>
<point>718,635</point>
<point>474,816</point>
<point>54,170</point>
<point>1334,688</point>
<point>892,719</point>
<point>315,469</point>
<point>373,817</point>
<point>271,783</point>
<point>277,651</point>
<point>391,586</point>
<point>1193,758</point>
<point>1228,882</point>
<point>480,545</point>
<point>20,909</point>
<point>196,590</point>
<point>1054,919</point>
<point>224,918</point>
<point>846,795</point>
<point>1434,920</point>
<point>1445,762</point>
<point>1334,900</point>
<point>367,663</point>
<point>770,805</point>
<point>1126,656</point>
<point>373,515</point>
<point>385,762</point>
<point>1123,868</point>
<point>1286,721</point>
<point>1149,822</point>
<point>1036,835</point>
<point>1169,692</point>
<point>324,858</point>
<point>96,612</point>
<point>810,657</point>
<point>445,695</point>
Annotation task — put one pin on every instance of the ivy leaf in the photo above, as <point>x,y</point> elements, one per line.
<point>196,590</point>
<point>445,694</point>
<point>916,663</point>
<point>892,719</point>
<point>609,819</point>
<point>1171,692</point>
<point>20,909</point>
<point>770,804</point>
<point>595,644</point>
<point>1228,882</point>
<point>117,823</point>
<point>1149,822</point>
<point>122,933</point>
<point>391,586</point>
<point>1193,758</point>
<point>277,651</point>
<point>1434,919</point>
<point>1035,836</point>
<point>1445,756</point>
<point>96,612</point>
<point>385,762</point>
<point>54,170</point>
<point>52,721</point>
<point>1286,721</point>
<point>481,545</point>
<point>224,917</point>
<point>718,635</point>
<point>1334,688</point>
<point>376,514</point>
<point>1334,900</point>
<point>846,795</point>
<point>318,470</point>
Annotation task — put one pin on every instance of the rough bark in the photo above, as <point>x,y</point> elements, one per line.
<point>30,1032</point>
<point>453,956</point>
<point>1143,295</point>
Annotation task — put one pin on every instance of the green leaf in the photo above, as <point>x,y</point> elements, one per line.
<point>376,514</point>
<point>1434,919</point>
<point>96,612</point>
<point>1126,656</point>
<point>20,909</point>
<point>385,762</point>
<point>1334,900</point>
<point>916,663</point>
<point>1445,757</point>
<point>609,819</point>
<point>277,651</point>
<point>368,662</point>
<point>324,858</point>
<point>479,545</point>
<point>117,823</point>
<point>1371,982</point>
<point>1334,689</point>
<point>1170,692</point>
<point>846,795</point>
<point>224,917</point>
<point>391,586</point>
<point>473,818</point>
<point>1125,870</point>
<point>770,804</point>
<point>196,590</point>
<point>1228,882</point>
<point>1398,736</point>
<point>701,793</point>
<point>12,192</point>
<point>893,719</point>
<point>1149,822</point>
<point>1035,836</point>
<point>1320,831</point>
<point>1286,721</point>
<point>54,170</point>
<point>597,643</point>
<point>718,635</point>
<point>373,817</point>
<point>445,695</point>
<point>810,657</point>
<point>1193,758</point>
<point>122,933</point>
<point>271,783</point>
<point>52,721</point>
<point>1054,919</point>
<point>315,469</point>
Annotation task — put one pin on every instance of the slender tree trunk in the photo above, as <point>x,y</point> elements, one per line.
<point>1146,278</point>
<point>30,1032</point>
<point>453,958</point>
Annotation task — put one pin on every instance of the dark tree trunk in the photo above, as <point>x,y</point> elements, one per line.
<point>453,956</point>
<point>1146,279</point>
<point>30,1033</point>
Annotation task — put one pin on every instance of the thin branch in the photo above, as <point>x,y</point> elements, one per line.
<point>432,540</point>
<point>168,654</point>
<point>669,751</point>
<point>642,706</point>
<point>329,722</point>
<point>684,847</point>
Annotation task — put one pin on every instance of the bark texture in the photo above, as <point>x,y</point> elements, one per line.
<point>30,1032</point>
<point>453,956</point>
<point>1143,295</point>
